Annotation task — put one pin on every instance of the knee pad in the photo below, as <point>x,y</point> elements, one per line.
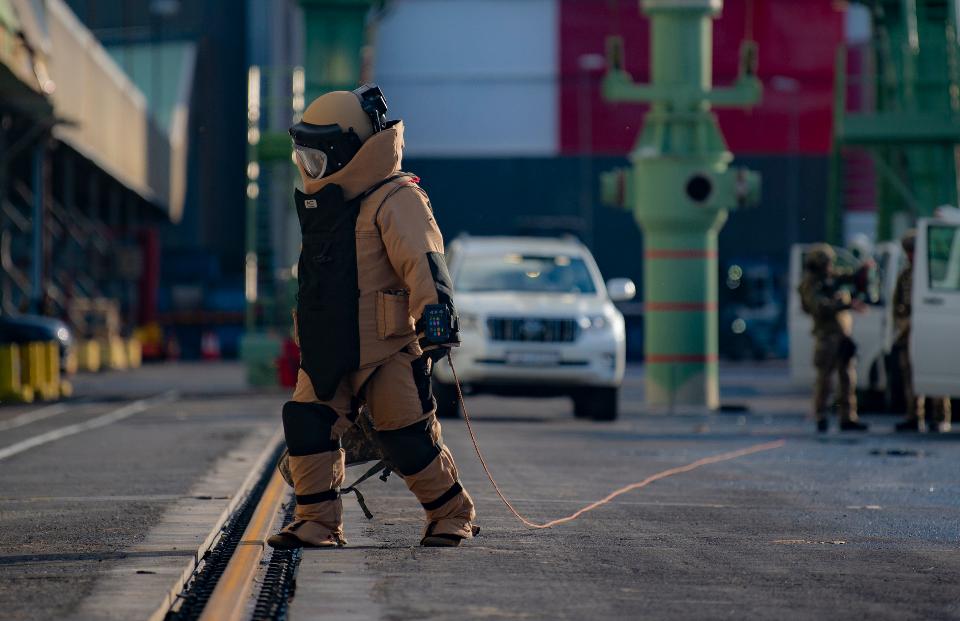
<point>307,426</point>
<point>409,449</point>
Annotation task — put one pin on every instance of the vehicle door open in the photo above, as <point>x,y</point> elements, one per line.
<point>935,326</point>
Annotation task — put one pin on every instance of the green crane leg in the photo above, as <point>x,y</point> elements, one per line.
<point>680,189</point>
<point>680,309</point>
<point>335,32</point>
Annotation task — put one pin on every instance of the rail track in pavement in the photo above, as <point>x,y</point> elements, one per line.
<point>238,577</point>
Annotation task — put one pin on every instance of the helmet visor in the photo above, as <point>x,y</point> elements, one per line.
<point>314,161</point>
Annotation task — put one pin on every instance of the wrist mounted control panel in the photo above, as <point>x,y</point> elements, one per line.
<point>439,324</point>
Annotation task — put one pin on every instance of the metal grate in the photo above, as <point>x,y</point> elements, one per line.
<point>200,587</point>
<point>532,329</point>
<point>279,581</point>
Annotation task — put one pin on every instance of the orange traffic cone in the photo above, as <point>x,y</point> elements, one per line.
<point>210,346</point>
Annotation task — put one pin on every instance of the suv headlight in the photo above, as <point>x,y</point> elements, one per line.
<point>593,322</point>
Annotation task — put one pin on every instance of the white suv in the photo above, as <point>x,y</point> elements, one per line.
<point>535,319</point>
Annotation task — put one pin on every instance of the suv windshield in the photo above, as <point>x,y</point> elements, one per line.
<point>524,273</point>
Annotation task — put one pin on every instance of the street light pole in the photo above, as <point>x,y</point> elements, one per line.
<point>253,193</point>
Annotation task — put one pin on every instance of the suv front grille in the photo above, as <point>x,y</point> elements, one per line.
<point>532,330</point>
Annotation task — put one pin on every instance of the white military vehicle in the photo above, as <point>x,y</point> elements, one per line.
<point>935,332</point>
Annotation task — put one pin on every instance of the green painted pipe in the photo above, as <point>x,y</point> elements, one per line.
<point>335,33</point>
<point>680,189</point>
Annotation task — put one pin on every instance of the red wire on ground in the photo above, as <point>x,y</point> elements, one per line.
<point>713,459</point>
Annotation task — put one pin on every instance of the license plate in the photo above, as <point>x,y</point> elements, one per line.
<point>533,358</point>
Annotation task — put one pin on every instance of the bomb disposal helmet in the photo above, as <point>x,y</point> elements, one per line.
<point>335,126</point>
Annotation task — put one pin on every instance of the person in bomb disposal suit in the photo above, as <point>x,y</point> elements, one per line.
<point>374,313</point>
<point>902,311</point>
<point>834,350</point>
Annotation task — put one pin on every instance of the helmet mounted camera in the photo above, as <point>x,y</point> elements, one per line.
<point>374,105</point>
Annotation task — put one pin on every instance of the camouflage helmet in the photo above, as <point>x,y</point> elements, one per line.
<point>819,257</point>
<point>909,240</point>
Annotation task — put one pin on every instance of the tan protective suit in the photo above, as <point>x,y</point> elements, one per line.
<point>397,249</point>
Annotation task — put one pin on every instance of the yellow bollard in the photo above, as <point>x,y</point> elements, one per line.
<point>72,362</point>
<point>11,384</point>
<point>118,354</point>
<point>113,352</point>
<point>31,367</point>
<point>50,352</point>
<point>134,352</point>
<point>88,356</point>
<point>104,345</point>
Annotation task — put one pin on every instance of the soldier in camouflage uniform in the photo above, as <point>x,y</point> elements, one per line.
<point>834,351</point>
<point>902,309</point>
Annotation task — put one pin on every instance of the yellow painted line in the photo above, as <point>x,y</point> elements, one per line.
<point>231,597</point>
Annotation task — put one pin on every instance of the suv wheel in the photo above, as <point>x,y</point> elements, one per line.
<point>596,403</point>
<point>448,405</point>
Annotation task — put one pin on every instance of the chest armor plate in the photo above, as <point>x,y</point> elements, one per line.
<point>327,296</point>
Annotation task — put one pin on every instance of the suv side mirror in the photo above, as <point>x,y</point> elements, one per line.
<point>621,289</point>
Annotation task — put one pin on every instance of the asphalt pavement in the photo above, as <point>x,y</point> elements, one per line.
<point>828,527</point>
<point>833,526</point>
<point>75,509</point>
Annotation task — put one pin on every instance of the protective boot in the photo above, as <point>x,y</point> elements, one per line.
<point>318,517</point>
<point>428,469</point>
<point>316,464</point>
<point>852,424</point>
<point>449,513</point>
<point>442,540</point>
<point>942,415</point>
<point>911,424</point>
<point>289,541</point>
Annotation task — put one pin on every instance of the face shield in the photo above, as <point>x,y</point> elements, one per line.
<point>323,149</point>
<point>313,161</point>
